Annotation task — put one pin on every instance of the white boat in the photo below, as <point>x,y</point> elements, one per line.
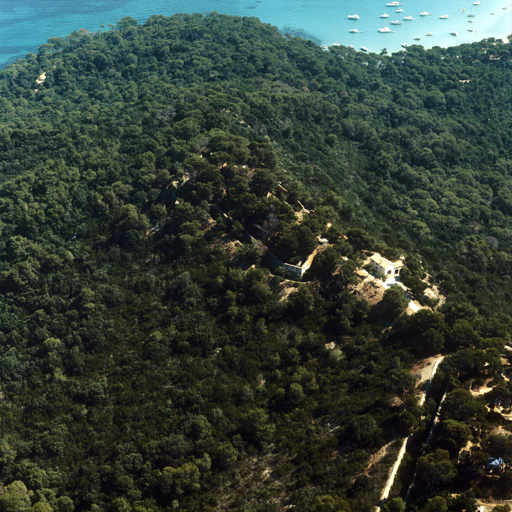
<point>454,33</point>
<point>470,30</point>
<point>354,30</point>
<point>399,10</point>
<point>471,15</point>
<point>353,16</point>
<point>396,22</point>
<point>424,13</point>
<point>417,38</point>
<point>470,21</point>
<point>429,34</point>
<point>385,29</point>
<point>406,45</point>
<point>384,15</point>
<point>350,46</point>
<point>443,17</point>
<point>477,2</point>
<point>408,18</point>
<point>364,49</point>
<point>393,4</point>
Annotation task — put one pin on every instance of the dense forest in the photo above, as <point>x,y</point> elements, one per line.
<point>152,358</point>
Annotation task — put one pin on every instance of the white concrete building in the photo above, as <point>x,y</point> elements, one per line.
<point>386,267</point>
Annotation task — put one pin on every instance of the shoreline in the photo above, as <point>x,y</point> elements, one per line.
<point>326,23</point>
<point>468,30</point>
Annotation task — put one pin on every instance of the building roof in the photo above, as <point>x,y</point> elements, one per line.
<point>383,262</point>
<point>379,260</point>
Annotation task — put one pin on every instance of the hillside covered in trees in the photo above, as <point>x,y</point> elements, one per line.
<point>151,356</point>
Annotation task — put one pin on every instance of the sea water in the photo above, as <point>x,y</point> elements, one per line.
<point>26,24</point>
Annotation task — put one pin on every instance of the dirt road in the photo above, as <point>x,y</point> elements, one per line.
<point>428,377</point>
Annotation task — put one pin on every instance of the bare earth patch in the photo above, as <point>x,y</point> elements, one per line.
<point>424,369</point>
<point>376,458</point>
<point>488,505</point>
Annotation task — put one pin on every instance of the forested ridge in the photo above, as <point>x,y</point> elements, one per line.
<point>152,359</point>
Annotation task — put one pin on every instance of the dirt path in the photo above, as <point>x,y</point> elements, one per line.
<point>429,379</point>
<point>425,372</point>
<point>391,479</point>
<point>427,369</point>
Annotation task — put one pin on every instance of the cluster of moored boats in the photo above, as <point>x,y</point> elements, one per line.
<point>395,3</point>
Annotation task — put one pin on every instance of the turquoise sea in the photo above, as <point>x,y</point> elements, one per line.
<point>26,24</point>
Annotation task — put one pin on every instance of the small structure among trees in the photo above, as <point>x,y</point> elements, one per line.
<point>386,267</point>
